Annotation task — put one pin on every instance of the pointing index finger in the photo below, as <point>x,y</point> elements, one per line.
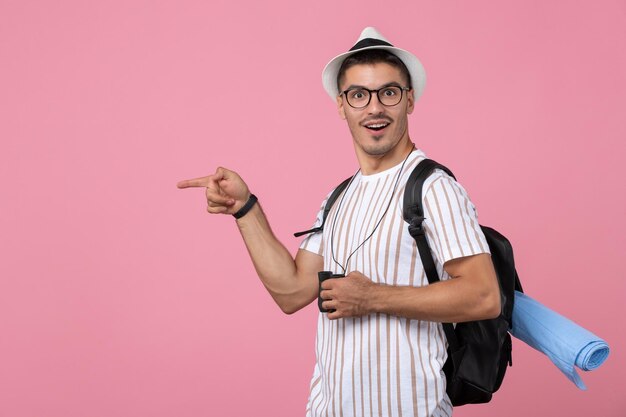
<point>195,182</point>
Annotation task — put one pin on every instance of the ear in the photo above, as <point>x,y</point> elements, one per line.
<point>410,95</point>
<point>340,108</point>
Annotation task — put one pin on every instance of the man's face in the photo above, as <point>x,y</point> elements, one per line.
<point>376,129</point>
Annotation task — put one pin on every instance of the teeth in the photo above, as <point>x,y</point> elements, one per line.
<point>377,125</point>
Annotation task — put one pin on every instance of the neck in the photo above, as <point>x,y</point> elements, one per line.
<point>373,164</point>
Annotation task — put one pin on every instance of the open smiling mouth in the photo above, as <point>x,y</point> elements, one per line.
<point>377,126</point>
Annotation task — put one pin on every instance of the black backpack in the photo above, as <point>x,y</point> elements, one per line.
<point>478,351</point>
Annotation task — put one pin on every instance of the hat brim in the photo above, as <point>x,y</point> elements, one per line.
<point>415,67</point>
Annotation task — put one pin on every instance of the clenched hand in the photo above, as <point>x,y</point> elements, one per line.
<point>349,296</point>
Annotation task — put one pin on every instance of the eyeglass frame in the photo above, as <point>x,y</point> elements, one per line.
<point>402,89</point>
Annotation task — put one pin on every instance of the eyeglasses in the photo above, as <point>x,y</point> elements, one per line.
<point>360,97</point>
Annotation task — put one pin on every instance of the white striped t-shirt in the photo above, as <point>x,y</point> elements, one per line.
<point>381,365</point>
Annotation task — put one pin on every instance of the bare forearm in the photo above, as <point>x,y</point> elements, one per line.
<point>275,266</point>
<point>450,301</point>
<point>271,259</point>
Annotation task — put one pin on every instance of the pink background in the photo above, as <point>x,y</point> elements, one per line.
<point>121,296</point>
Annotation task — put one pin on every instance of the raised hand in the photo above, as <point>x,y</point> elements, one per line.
<point>226,192</point>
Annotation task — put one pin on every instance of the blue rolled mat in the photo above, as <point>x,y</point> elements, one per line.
<point>566,343</point>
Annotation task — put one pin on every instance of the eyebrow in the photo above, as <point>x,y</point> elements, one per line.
<point>390,84</point>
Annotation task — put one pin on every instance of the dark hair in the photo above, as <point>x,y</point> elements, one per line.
<point>369,57</point>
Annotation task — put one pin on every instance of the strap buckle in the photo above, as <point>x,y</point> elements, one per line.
<point>415,226</point>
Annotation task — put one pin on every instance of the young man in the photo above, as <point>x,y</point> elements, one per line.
<point>381,348</point>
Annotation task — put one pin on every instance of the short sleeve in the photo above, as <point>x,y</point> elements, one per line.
<point>314,241</point>
<point>451,221</point>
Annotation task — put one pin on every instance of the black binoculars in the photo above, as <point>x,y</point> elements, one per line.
<point>323,276</point>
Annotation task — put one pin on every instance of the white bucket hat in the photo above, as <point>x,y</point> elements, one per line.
<point>371,39</point>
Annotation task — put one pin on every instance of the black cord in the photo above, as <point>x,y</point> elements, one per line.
<point>332,232</point>
<point>332,229</point>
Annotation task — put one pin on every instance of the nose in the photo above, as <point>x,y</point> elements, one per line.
<point>375,106</point>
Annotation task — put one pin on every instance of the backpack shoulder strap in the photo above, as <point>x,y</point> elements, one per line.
<point>413,213</point>
<point>412,203</point>
<point>329,203</point>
